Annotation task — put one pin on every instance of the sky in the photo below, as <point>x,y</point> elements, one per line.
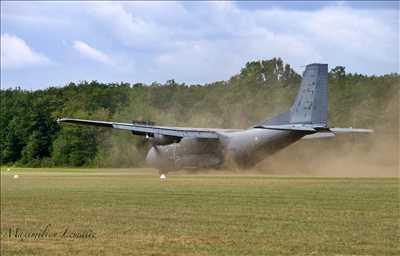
<point>48,43</point>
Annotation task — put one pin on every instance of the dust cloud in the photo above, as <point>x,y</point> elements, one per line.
<point>346,155</point>
<point>351,157</point>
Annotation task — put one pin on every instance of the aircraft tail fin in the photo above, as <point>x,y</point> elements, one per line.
<point>311,104</point>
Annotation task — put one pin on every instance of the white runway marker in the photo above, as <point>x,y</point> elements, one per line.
<point>16,176</point>
<point>163,177</point>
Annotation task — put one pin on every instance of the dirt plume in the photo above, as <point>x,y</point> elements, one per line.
<point>348,155</point>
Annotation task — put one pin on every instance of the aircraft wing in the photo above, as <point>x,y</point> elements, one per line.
<point>150,130</point>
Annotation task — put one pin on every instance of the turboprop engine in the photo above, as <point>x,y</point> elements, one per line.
<point>187,154</point>
<point>159,140</point>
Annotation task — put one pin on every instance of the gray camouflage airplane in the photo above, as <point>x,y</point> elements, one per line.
<point>175,148</point>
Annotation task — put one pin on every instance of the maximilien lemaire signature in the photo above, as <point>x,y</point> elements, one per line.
<point>46,232</point>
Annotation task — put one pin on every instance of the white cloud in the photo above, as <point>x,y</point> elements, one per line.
<point>15,53</point>
<point>128,28</point>
<point>92,53</point>
<point>202,42</point>
<point>197,42</point>
<point>362,40</point>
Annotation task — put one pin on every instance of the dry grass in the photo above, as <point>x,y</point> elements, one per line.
<point>132,213</point>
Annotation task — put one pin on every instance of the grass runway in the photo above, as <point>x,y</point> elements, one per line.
<point>131,212</point>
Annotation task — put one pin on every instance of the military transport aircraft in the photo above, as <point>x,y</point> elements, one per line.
<point>175,148</point>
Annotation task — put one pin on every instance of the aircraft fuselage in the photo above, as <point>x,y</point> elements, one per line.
<point>241,149</point>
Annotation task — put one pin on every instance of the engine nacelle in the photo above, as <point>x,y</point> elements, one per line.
<point>159,139</point>
<point>180,156</point>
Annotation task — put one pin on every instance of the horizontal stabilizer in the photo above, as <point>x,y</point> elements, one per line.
<point>315,132</point>
<point>319,135</point>
<point>350,130</point>
<point>332,132</point>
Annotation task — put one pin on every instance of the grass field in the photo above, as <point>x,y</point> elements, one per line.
<point>131,212</point>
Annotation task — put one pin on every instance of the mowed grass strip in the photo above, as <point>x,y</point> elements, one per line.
<point>200,215</point>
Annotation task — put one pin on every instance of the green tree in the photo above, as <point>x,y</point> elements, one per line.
<point>74,146</point>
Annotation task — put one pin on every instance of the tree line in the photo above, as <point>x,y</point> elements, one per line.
<point>30,135</point>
